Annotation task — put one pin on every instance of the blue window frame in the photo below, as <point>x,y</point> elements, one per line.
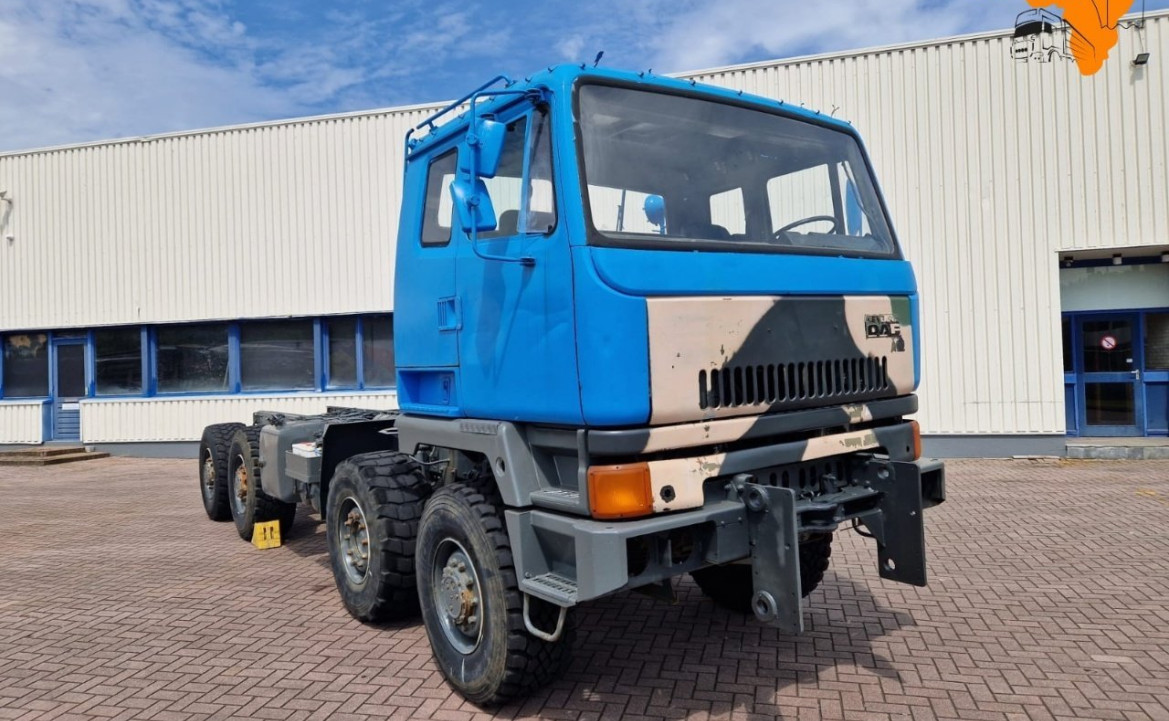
<point>358,352</point>
<point>1113,382</point>
<point>334,353</point>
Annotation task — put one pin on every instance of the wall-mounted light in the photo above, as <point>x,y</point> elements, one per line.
<point>1141,59</point>
<point>1116,259</point>
<point>1165,257</point>
<point>1068,260</point>
<point>7,211</point>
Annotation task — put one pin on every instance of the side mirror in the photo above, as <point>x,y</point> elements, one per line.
<point>655,210</point>
<point>853,212</point>
<point>483,148</point>
<point>479,156</point>
<point>473,204</point>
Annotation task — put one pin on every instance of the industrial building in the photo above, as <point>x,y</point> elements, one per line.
<point>150,286</point>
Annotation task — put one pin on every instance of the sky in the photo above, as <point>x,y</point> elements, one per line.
<point>81,70</point>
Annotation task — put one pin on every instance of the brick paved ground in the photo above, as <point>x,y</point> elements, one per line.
<point>118,599</point>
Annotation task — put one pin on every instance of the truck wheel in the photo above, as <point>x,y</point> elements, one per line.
<point>247,500</point>
<point>472,605</point>
<point>372,512</point>
<point>732,587</point>
<point>213,450</point>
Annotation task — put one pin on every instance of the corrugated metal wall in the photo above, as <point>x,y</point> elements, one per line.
<point>22,422</point>
<point>990,166</point>
<point>183,419</point>
<point>291,219</point>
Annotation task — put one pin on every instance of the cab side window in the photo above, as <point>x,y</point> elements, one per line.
<point>521,190</point>
<point>436,218</point>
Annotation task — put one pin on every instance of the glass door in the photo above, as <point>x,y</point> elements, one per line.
<point>1110,376</point>
<point>69,388</point>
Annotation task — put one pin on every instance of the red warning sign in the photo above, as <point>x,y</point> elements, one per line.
<point>1108,342</point>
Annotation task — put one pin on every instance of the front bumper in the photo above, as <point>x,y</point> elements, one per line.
<point>565,559</point>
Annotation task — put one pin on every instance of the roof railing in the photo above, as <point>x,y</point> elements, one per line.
<point>430,121</point>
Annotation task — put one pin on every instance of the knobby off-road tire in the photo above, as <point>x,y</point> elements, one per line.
<point>375,501</point>
<point>246,498</point>
<point>487,655</point>
<point>732,587</point>
<point>213,479</point>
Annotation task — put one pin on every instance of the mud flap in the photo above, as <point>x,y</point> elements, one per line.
<point>775,555</point>
<point>897,525</point>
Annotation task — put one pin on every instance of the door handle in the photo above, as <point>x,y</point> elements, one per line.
<point>1136,372</point>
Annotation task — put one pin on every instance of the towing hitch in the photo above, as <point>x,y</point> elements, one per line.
<point>886,497</point>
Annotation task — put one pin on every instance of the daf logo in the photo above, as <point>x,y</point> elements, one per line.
<point>885,326</point>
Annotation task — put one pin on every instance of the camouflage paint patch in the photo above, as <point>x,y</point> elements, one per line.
<point>738,356</point>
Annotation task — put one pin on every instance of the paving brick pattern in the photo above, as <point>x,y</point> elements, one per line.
<point>1049,599</point>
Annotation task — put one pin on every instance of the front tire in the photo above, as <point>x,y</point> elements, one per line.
<point>246,498</point>
<point>213,475</point>
<point>375,501</point>
<point>472,605</point>
<point>731,586</point>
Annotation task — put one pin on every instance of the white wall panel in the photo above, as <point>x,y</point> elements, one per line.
<point>21,422</point>
<point>296,218</point>
<point>129,420</point>
<point>990,167</point>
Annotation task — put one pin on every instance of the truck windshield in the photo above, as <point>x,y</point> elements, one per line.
<point>670,170</point>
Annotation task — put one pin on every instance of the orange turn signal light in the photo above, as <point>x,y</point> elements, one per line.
<point>916,439</point>
<point>621,491</point>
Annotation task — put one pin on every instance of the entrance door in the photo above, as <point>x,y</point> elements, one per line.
<point>1111,368</point>
<point>68,388</point>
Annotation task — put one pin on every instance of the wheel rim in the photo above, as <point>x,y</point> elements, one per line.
<point>239,486</point>
<point>353,540</point>
<point>207,474</point>
<point>458,598</point>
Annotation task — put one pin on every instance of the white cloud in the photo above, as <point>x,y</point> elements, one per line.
<point>74,70</point>
<point>703,35</point>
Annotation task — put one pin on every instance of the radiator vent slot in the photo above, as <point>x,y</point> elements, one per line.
<point>758,385</point>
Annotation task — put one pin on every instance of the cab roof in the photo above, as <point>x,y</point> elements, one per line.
<point>559,80</point>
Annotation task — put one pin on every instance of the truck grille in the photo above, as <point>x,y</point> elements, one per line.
<point>767,385</point>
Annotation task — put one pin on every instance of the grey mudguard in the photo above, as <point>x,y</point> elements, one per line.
<point>502,443</point>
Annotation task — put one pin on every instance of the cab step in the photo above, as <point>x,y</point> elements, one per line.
<point>553,587</point>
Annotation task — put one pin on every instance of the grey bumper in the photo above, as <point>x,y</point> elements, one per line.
<point>566,559</point>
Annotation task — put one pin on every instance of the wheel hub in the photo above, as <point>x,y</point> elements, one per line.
<point>353,534</point>
<point>239,487</point>
<point>458,597</point>
<point>458,593</point>
<point>208,476</point>
<point>241,483</point>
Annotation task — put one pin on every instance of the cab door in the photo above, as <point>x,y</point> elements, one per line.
<point>517,348</point>
<point>426,306</point>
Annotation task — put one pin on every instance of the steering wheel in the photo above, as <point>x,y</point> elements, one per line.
<point>810,219</point>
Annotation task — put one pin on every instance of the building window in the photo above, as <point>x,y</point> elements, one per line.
<point>276,355</point>
<point>377,348</point>
<point>342,353</point>
<point>1157,341</point>
<point>26,365</point>
<point>192,359</point>
<point>118,361</point>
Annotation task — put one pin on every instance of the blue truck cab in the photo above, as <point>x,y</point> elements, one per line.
<point>644,328</point>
